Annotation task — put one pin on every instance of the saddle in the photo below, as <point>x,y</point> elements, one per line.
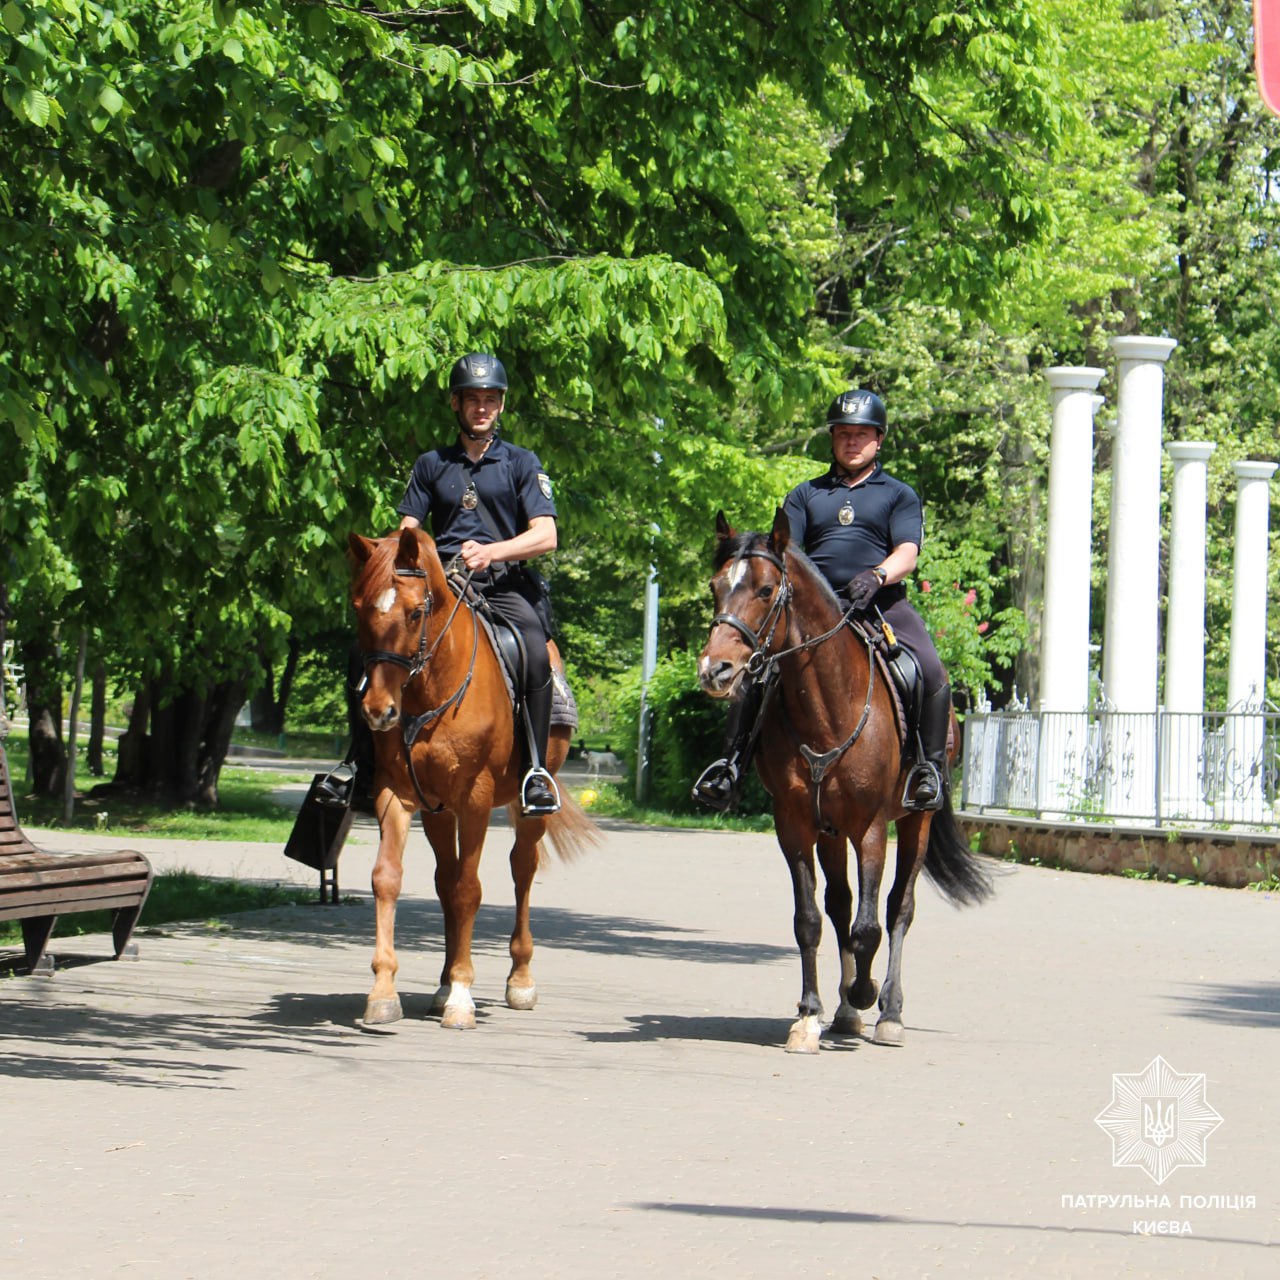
<point>901,669</point>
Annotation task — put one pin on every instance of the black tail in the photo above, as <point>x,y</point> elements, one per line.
<point>951,865</point>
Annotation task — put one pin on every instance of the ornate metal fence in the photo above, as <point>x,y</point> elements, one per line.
<point>1214,769</point>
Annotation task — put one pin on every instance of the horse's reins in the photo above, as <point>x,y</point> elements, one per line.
<point>763,666</point>
<point>411,727</point>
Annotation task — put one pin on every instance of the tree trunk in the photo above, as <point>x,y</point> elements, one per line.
<point>271,702</point>
<point>97,719</point>
<point>224,705</point>
<point>134,746</point>
<point>44,711</point>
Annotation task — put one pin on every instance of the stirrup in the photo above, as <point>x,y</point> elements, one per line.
<point>717,785</point>
<point>539,807</point>
<point>926,769</point>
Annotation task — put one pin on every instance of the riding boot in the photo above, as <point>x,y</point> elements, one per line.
<point>538,792</point>
<point>928,782</point>
<point>718,784</point>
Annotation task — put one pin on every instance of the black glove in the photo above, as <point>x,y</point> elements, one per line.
<point>862,588</point>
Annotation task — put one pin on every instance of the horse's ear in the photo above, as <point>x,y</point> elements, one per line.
<point>360,549</point>
<point>780,538</point>
<point>723,528</point>
<point>410,554</point>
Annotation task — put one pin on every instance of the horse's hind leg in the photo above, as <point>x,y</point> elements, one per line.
<point>913,838</point>
<point>522,991</point>
<point>383,1004</point>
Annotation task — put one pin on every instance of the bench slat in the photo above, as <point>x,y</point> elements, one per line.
<point>36,887</point>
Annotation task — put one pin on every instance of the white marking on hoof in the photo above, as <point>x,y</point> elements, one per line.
<point>804,1035</point>
<point>459,1010</point>
<point>522,997</point>
<point>890,1033</point>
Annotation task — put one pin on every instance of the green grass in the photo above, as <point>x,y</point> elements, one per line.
<point>246,809</point>
<point>612,801</point>
<point>180,895</point>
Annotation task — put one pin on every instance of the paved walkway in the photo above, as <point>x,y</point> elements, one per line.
<point>211,1111</point>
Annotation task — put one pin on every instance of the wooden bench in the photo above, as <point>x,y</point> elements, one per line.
<point>37,887</point>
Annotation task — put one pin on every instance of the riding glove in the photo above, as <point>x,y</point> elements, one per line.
<point>862,588</point>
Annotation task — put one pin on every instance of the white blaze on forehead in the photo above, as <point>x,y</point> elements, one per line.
<point>386,601</point>
<point>737,574</point>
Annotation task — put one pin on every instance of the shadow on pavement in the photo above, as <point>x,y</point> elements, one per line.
<point>1238,1005</point>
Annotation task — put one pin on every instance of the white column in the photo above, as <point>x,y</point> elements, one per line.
<point>1182,724</point>
<point>1130,646</point>
<point>1064,645</point>
<point>1246,673</point>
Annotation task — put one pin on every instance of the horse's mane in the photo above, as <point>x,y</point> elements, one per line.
<point>379,568</point>
<point>742,543</point>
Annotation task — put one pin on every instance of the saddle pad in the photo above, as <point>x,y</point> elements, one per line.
<point>564,707</point>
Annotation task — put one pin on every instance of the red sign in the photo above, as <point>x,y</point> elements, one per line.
<point>1266,50</point>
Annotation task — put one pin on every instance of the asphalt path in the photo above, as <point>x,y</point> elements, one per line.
<point>211,1110</point>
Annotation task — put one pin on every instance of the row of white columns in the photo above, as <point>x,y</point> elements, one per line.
<point>1130,651</point>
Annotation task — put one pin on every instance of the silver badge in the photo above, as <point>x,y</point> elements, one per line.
<point>845,514</point>
<point>470,499</point>
<point>544,483</point>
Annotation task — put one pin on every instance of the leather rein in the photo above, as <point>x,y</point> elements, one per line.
<point>411,727</point>
<point>763,666</point>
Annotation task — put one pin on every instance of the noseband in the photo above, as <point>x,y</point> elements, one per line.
<point>760,639</point>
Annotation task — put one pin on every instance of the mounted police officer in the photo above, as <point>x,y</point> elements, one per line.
<point>863,530</point>
<point>491,509</point>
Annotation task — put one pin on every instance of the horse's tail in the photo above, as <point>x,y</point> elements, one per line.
<point>570,831</point>
<point>950,863</point>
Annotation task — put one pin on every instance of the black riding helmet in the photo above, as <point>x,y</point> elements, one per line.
<point>858,406</point>
<point>477,372</point>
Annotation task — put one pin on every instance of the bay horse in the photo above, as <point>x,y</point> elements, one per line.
<point>444,746</point>
<point>831,756</point>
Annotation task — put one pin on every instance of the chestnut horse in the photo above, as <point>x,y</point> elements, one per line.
<point>445,746</point>
<point>830,755</point>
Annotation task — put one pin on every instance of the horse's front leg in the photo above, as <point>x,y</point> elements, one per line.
<point>913,839</point>
<point>442,835</point>
<point>383,1004</point>
<point>522,991</point>
<point>462,890</point>
<point>807,1028</point>
<point>858,988</point>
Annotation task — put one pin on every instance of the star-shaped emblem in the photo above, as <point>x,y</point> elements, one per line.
<point>1158,1120</point>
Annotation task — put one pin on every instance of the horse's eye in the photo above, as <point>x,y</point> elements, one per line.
<point>416,614</point>
<point>763,593</point>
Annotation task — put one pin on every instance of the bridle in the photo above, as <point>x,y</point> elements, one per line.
<point>411,727</point>
<point>762,637</point>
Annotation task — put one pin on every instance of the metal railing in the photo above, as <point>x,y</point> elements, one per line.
<point>1164,769</point>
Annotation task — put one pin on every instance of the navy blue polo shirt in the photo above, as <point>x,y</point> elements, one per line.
<point>509,480</point>
<point>880,514</point>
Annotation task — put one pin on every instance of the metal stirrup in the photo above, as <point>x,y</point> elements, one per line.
<point>537,771</point>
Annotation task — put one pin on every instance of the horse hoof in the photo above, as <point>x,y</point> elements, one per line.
<point>804,1035</point>
<point>847,1022</point>
<point>378,1014</point>
<point>439,1000</point>
<point>521,997</point>
<point>890,1033</point>
<point>459,1017</point>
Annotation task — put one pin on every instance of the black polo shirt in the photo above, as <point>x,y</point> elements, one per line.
<point>881,513</point>
<point>509,480</point>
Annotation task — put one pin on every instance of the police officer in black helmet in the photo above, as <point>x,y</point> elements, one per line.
<point>491,509</point>
<point>863,529</point>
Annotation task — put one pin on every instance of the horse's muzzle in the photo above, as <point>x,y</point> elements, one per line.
<point>718,678</point>
<point>380,719</point>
